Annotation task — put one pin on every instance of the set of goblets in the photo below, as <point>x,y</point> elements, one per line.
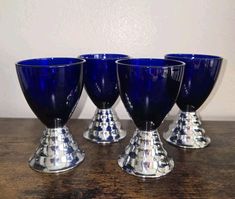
<point>148,88</point>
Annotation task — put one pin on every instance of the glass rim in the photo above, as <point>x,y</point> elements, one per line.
<point>21,64</point>
<point>99,55</point>
<point>191,56</point>
<point>177,63</point>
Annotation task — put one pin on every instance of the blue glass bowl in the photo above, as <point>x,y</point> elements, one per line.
<point>100,78</point>
<point>201,73</point>
<point>52,87</point>
<point>100,81</point>
<point>148,89</point>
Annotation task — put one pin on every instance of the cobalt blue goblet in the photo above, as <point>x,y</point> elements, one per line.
<point>52,87</point>
<point>148,89</point>
<point>100,81</point>
<point>201,72</point>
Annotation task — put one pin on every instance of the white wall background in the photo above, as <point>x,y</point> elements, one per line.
<point>140,28</point>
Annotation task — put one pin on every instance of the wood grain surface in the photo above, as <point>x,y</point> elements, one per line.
<point>204,173</point>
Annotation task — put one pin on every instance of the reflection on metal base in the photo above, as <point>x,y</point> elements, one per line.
<point>186,132</point>
<point>105,128</point>
<point>57,152</point>
<point>145,156</point>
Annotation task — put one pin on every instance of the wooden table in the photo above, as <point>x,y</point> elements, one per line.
<point>205,173</point>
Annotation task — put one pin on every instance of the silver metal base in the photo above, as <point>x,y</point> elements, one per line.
<point>145,156</point>
<point>186,132</point>
<point>104,128</point>
<point>57,152</point>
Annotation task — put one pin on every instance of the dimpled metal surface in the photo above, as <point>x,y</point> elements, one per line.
<point>186,131</point>
<point>57,152</point>
<point>145,156</point>
<point>104,128</point>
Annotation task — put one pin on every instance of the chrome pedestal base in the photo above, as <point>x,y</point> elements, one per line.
<point>145,156</point>
<point>186,132</point>
<point>104,128</point>
<point>57,152</point>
